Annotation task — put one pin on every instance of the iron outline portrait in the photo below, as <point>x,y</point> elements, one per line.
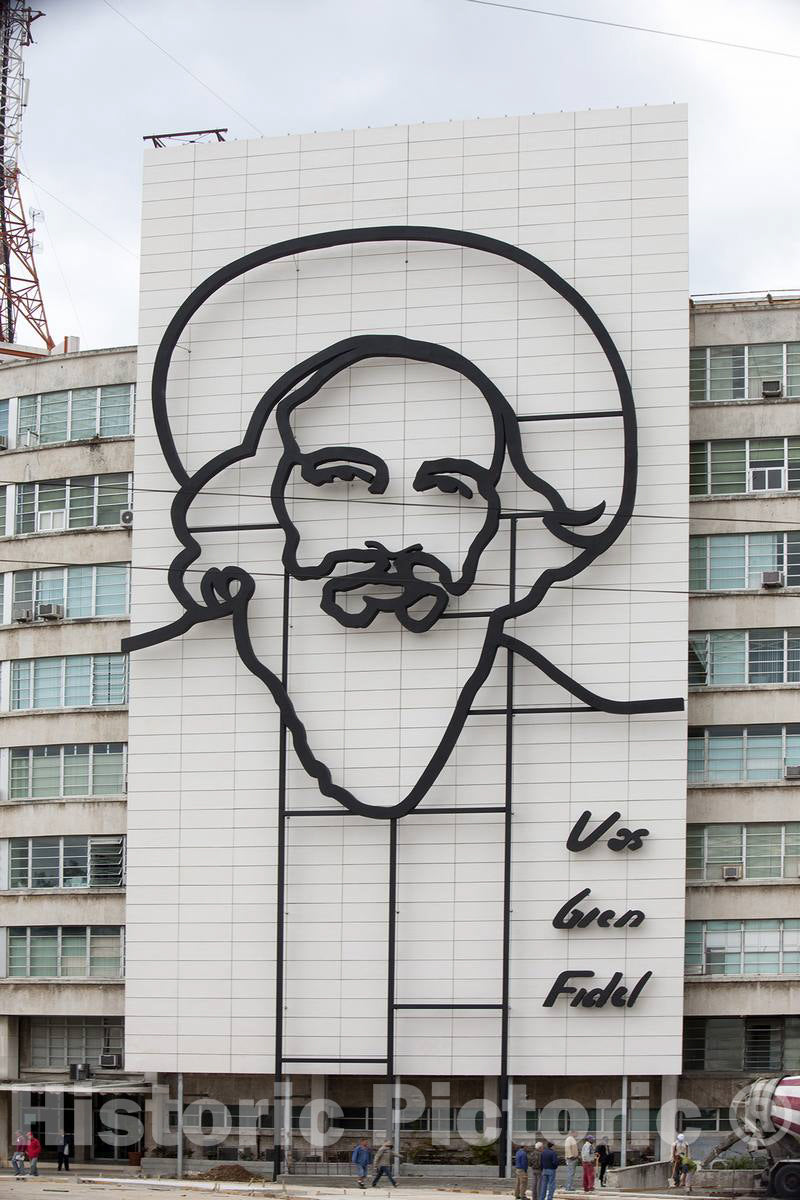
<point>228,591</point>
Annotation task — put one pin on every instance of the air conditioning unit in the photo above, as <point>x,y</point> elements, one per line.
<point>111,1062</point>
<point>733,871</point>
<point>79,1071</point>
<point>48,522</point>
<point>126,517</point>
<point>50,612</point>
<point>772,579</point>
<point>791,772</point>
<point>3,443</point>
<point>21,613</point>
<point>771,389</point>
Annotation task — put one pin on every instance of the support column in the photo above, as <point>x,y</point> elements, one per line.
<point>623,1137</point>
<point>179,1157</point>
<point>83,1136</point>
<point>394,1103</point>
<point>494,1128</point>
<point>318,1083</point>
<point>509,1125</point>
<point>668,1115</point>
<point>9,1069</point>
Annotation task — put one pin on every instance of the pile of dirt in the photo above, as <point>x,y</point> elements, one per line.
<point>228,1173</point>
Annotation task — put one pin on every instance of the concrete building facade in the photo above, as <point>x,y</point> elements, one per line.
<point>744,750</point>
<point>67,457</point>
<point>424,933</point>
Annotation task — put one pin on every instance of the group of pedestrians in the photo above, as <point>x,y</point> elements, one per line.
<point>28,1149</point>
<point>361,1159</point>
<point>542,1163</point>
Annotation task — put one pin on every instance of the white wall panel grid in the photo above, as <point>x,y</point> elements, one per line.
<point>601,198</point>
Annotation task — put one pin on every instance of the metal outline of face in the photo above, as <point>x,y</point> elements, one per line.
<point>228,591</point>
<point>311,466</point>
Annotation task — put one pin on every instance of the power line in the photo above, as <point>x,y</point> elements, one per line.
<point>182,66</point>
<point>79,215</point>
<point>686,37</point>
<point>500,586</point>
<point>777,525</point>
<point>78,321</point>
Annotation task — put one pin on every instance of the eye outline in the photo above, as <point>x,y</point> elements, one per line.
<point>439,473</point>
<point>342,466</point>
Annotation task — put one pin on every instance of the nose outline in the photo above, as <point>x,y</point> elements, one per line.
<point>394,555</point>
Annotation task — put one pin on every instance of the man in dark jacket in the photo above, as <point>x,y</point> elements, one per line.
<point>521,1173</point>
<point>64,1150</point>
<point>549,1168</point>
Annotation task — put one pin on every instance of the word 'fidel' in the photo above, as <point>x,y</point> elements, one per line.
<point>570,916</point>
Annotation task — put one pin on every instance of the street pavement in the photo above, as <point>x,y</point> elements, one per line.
<point>76,1186</point>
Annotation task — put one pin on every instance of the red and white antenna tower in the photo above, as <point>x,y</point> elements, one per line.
<point>20,293</point>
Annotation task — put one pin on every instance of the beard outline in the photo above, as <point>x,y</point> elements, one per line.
<point>227,591</point>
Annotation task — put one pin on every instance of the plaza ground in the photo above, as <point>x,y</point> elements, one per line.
<point>121,1186</point>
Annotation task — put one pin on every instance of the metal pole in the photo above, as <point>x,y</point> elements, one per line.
<point>179,1163</point>
<point>503,1160</point>
<point>623,1152</point>
<point>509,1100</point>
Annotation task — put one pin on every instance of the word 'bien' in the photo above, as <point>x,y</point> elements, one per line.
<point>569,916</point>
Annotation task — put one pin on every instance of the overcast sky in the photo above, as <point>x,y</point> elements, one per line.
<point>98,85</point>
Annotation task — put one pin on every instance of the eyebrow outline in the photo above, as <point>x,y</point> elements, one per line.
<point>312,463</point>
<point>446,468</point>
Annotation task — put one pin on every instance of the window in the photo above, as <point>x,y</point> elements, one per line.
<point>736,1044</point>
<point>49,772</point>
<point>66,862</point>
<point>736,561</point>
<point>759,947</point>
<point>100,591</point>
<point>738,754</point>
<point>736,657</point>
<point>762,851</point>
<point>4,419</point>
<point>75,415</point>
<point>720,373</point>
<point>77,681</point>
<point>744,465</point>
<point>58,1041</point>
<point>3,495</point>
<point>82,502</point>
<point>65,951</point>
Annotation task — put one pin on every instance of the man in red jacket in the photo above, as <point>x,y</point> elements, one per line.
<point>34,1149</point>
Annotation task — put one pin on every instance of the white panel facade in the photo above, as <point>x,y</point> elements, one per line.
<point>601,198</point>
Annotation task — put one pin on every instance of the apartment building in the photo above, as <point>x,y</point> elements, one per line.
<point>66,424</point>
<point>743,836</point>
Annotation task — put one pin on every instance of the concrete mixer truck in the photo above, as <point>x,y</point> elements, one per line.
<point>767,1116</point>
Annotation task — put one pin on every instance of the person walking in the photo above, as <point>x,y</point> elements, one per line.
<point>535,1161</point>
<point>63,1149</point>
<point>33,1150</point>
<point>680,1157</point>
<point>602,1158</point>
<point>549,1167</point>
<point>520,1173</point>
<point>571,1158</point>
<point>18,1163</point>
<point>360,1159</point>
<point>587,1159</point>
<point>383,1164</point>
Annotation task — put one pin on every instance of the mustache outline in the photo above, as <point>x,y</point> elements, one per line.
<point>389,569</point>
